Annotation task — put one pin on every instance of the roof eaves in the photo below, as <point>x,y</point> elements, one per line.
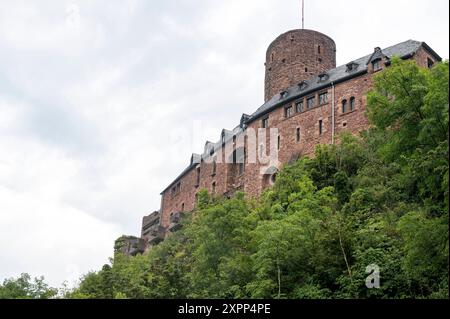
<point>306,92</point>
<point>429,49</point>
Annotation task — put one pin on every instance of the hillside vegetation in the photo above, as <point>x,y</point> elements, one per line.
<point>380,198</point>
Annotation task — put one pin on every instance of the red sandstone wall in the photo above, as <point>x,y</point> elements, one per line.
<point>252,182</point>
<point>422,56</point>
<point>226,180</point>
<point>294,56</point>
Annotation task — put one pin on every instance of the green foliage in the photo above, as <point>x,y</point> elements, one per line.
<point>381,198</point>
<point>24,288</point>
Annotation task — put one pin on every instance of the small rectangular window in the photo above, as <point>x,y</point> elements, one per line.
<point>323,98</point>
<point>288,111</point>
<point>265,122</point>
<point>430,63</point>
<point>298,134</point>
<point>311,102</point>
<point>214,187</point>
<point>299,106</point>
<point>320,127</point>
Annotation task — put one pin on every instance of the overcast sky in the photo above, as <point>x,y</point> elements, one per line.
<point>102,103</point>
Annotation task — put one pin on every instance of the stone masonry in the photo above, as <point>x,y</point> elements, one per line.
<point>307,100</point>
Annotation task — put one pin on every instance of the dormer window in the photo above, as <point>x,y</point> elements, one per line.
<point>195,159</point>
<point>376,59</point>
<point>376,65</point>
<point>303,85</point>
<point>283,94</point>
<point>244,119</point>
<point>352,66</point>
<point>323,77</point>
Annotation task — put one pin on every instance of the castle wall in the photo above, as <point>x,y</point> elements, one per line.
<point>296,56</point>
<point>228,179</point>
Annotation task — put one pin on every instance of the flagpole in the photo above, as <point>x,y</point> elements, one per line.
<point>303,14</point>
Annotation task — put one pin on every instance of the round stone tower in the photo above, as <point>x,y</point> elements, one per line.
<point>296,56</point>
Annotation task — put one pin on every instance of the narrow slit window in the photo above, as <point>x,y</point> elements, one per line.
<point>198,176</point>
<point>320,127</point>
<point>298,134</point>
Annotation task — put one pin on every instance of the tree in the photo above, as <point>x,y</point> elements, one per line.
<point>380,198</point>
<point>24,288</point>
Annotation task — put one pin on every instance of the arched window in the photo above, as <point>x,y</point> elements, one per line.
<point>352,103</point>
<point>344,106</point>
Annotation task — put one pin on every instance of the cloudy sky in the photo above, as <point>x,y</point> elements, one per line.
<point>102,103</point>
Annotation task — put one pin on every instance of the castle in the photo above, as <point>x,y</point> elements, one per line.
<point>308,101</point>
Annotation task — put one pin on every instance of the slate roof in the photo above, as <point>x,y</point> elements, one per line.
<point>336,75</point>
<point>340,74</point>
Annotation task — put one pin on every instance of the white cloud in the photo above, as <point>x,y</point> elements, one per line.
<point>102,102</point>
